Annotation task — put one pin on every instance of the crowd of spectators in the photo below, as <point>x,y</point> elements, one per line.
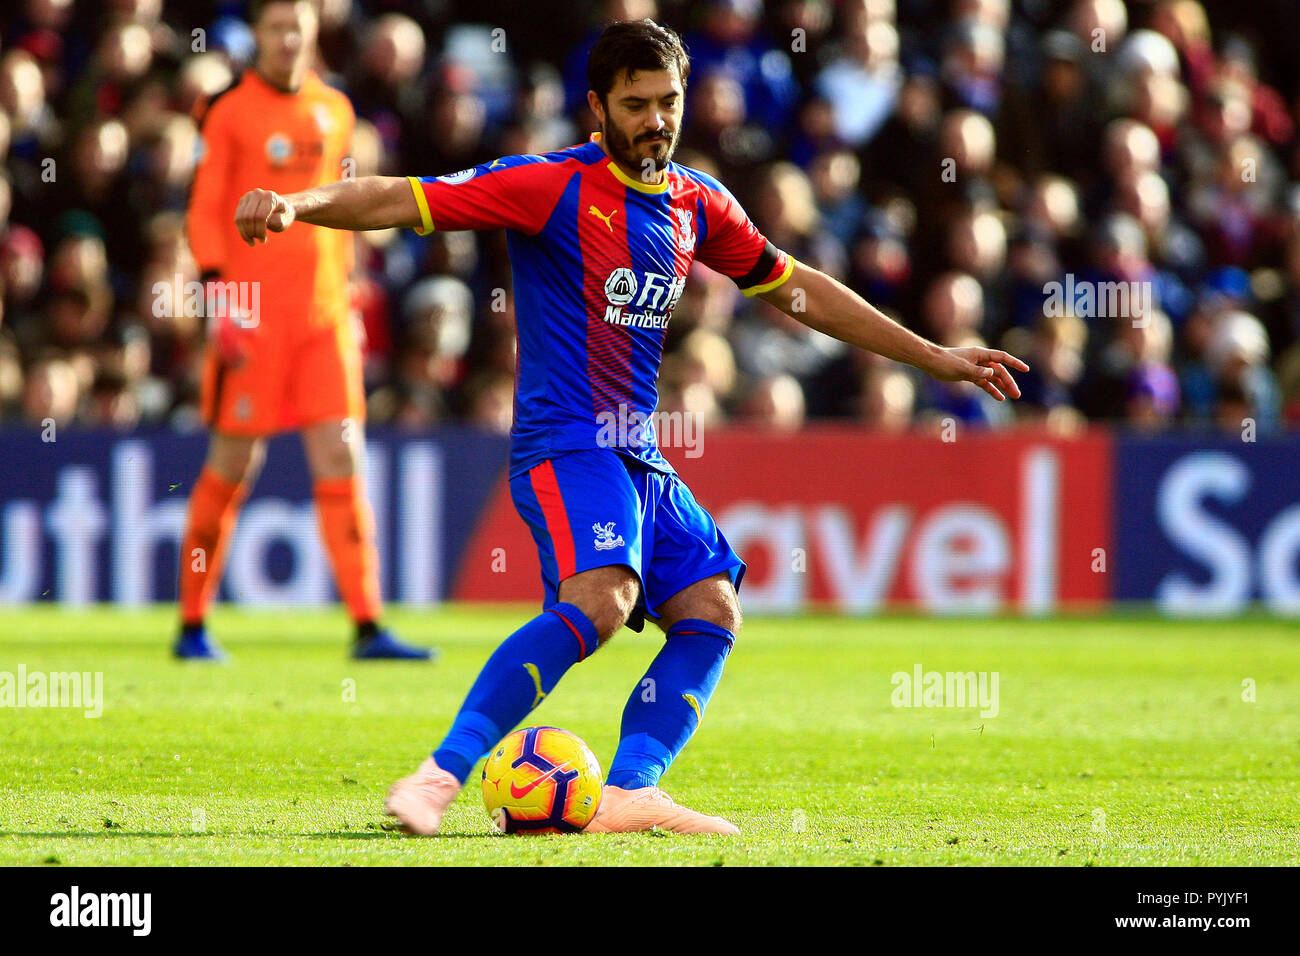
<point>954,161</point>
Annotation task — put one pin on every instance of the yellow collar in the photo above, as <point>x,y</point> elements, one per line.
<point>626,180</point>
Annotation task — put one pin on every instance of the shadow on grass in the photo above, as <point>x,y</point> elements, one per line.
<point>97,834</point>
<point>393,834</point>
<point>173,835</point>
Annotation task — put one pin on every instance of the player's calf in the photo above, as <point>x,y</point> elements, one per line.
<point>668,704</point>
<point>516,678</point>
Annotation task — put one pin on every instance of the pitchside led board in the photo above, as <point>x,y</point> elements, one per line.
<point>830,518</point>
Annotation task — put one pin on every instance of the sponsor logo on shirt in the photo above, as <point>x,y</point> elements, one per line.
<point>651,308</point>
<point>278,149</point>
<point>620,287</point>
<point>593,211</point>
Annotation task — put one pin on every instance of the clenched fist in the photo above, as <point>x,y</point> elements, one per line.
<point>259,211</point>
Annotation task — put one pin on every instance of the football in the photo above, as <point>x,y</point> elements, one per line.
<point>541,780</point>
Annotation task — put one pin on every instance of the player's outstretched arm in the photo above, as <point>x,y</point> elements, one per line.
<point>820,302</point>
<point>371,202</point>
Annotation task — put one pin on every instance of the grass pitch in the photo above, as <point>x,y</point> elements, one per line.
<point>1117,741</point>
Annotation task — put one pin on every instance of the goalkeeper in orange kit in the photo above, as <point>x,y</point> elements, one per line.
<point>283,352</point>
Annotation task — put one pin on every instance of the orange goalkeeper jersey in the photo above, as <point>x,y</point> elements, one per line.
<point>255,135</point>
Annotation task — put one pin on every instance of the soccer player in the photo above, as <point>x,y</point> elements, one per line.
<point>282,350</point>
<point>601,238</point>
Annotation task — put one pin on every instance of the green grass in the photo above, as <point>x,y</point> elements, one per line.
<point>1118,742</point>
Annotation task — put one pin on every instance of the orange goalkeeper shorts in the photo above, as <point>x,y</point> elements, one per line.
<point>284,378</point>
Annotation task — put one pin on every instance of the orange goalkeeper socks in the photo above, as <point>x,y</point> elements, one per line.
<point>214,505</point>
<point>348,529</point>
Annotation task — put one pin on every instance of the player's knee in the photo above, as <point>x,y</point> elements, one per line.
<point>724,611</point>
<point>253,466</point>
<point>612,611</point>
<point>714,600</point>
<point>236,459</point>
<point>330,454</point>
<point>730,616</point>
<point>607,596</point>
<point>338,463</point>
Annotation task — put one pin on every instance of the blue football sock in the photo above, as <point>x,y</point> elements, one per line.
<point>516,678</point>
<point>666,707</point>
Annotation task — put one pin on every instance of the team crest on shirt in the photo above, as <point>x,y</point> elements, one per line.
<point>606,540</point>
<point>278,149</point>
<point>685,230</point>
<point>453,178</point>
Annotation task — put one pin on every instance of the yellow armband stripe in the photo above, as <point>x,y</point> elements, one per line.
<point>769,286</point>
<point>426,220</point>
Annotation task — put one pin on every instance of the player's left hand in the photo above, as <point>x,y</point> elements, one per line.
<point>986,368</point>
<point>230,328</point>
<point>261,211</point>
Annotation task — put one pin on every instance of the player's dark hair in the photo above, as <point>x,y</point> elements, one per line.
<point>634,45</point>
<point>257,7</point>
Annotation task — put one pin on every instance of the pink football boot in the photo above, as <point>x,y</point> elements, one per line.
<point>649,808</point>
<point>420,801</point>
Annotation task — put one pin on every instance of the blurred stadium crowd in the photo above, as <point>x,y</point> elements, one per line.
<point>948,159</point>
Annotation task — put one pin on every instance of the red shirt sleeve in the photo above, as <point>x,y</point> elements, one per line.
<point>514,192</point>
<point>733,245</point>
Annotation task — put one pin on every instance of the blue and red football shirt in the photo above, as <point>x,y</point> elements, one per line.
<point>599,259</point>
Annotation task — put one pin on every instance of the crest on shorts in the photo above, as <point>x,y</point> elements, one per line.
<point>606,540</point>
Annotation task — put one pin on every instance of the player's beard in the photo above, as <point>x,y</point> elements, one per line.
<point>628,152</point>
